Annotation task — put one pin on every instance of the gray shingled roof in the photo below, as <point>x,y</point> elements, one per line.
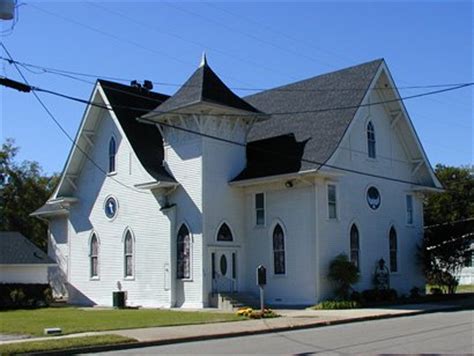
<point>204,86</point>
<point>146,140</point>
<point>17,249</point>
<point>323,130</point>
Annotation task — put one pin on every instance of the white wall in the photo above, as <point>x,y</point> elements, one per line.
<point>138,210</point>
<point>24,274</point>
<point>392,161</point>
<point>58,250</point>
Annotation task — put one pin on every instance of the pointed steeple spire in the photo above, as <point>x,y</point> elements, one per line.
<point>203,60</point>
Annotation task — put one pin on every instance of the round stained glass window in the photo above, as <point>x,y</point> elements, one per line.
<point>110,207</point>
<point>223,263</point>
<point>373,198</point>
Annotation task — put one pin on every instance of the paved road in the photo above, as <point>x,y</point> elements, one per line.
<point>446,332</point>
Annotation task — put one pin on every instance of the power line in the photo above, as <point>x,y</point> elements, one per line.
<point>319,164</point>
<point>71,74</point>
<point>63,130</point>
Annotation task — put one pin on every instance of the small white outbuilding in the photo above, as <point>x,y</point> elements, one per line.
<point>21,261</point>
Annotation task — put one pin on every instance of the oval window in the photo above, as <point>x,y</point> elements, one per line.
<point>373,198</point>
<point>223,264</point>
<point>110,207</point>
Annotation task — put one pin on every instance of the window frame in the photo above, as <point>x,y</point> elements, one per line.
<point>92,257</point>
<point>112,156</point>
<point>391,250</point>
<point>351,249</point>
<point>410,213</point>
<point>371,140</point>
<point>128,232</point>
<point>336,205</point>
<point>263,209</point>
<point>230,230</point>
<point>190,254</point>
<point>285,253</point>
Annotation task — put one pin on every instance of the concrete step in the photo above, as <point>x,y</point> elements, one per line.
<point>234,301</point>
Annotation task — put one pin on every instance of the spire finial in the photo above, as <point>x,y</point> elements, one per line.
<point>203,59</point>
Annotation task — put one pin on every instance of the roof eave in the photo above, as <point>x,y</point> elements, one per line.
<point>286,176</point>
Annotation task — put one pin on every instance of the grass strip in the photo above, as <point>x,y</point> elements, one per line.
<point>62,344</point>
<point>77,320</point>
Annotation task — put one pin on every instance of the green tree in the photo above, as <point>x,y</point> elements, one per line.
<point>343,273</point>
<point>449,226</point>
<point>23,189</point>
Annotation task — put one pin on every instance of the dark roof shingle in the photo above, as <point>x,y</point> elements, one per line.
<point>322,130</point>
<point>204,86</point>
<point>17,249</point>
<point>129,103</point>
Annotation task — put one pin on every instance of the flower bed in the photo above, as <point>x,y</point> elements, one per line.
<point>256,314</point>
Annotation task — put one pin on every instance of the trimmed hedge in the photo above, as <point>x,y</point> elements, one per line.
<point>19,295</point>
<point>337,304</point>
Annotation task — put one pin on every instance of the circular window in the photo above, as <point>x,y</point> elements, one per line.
<point>373,198</point>
<point>110,207</point>
<point>223,265</point>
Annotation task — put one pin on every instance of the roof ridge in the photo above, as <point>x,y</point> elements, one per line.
<point>315,77</point>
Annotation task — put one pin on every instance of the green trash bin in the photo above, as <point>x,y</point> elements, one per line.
<point>118,299</point>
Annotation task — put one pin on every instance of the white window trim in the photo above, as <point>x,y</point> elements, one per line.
<point>370,185</point>
<point>91,277</point>
<point>272,258</point>
<point>356,223</point>
<point>369,121</point>
<point>118,207</point>
<point>398,250</point>
<point>337,201</point>
<point>264,210</point>
<point>124,235</point>
<point>114,172</point>
<point>412,223</point>
<point>191,254</point>
<point>231,231</point>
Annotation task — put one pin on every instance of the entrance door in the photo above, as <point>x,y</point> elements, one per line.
<point>224,271</point>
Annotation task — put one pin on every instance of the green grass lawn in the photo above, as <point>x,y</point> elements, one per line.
<point>460,289</point>
<point>62,344</point>
<point>75,320</point>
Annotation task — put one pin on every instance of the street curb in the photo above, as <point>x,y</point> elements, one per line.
<point>140,344</point>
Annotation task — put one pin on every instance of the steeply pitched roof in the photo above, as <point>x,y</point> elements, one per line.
<point>17,249</point>
<point>146,141</point>
<point>204,86</point>
<point>322,130</point>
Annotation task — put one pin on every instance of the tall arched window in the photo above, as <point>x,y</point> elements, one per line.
<point>224,233</point>
<point>393,249</point>
<point>279,250</point>
<point>94,256</point>
<point>128,254</point>
<point>112,153</point>
<point>355,246</point>
<point>183,253</point>
<point>371,139</point>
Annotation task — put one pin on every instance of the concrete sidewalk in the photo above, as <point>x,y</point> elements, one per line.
<point>291,319</point>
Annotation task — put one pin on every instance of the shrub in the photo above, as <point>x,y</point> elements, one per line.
<point>379,295</point>
<point>415,292</point>
<point>17,295</point>
<point>436,291</point>
<point>343,273</point>
<point>337,304</point>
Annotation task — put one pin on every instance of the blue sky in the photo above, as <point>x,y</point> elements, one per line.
<point>249,44</point>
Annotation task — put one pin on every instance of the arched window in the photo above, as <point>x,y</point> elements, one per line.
<point>392,236</point>
<point>371,139</point>
<point>355,245</point>
<point>112,153</point>
<point>279,250</point>
<point>128,254</point>
<point>224,233</point>
<point>94,256</point>
<point>183,253</point>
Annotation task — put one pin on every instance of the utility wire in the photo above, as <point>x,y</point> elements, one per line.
<point>319,164</point>
<point>62,129</point>
<point>50,70</point>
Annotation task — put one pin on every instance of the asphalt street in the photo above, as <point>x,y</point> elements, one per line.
<point>441,333</point>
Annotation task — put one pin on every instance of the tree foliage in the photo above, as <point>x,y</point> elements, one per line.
<point>23,189</point>
<point>343,273</point>
<point>449,226</point>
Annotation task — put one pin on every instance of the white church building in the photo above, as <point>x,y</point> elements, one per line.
<point>175,199</point>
